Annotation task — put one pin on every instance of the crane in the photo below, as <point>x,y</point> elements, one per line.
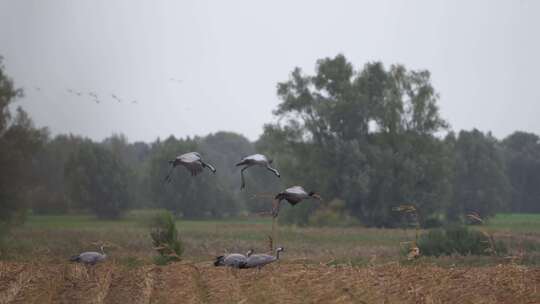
<point>235,260</point>
<point>90,257</point>
<point>255,160</point>
<point>260,260</point>
<point>193,163</point>
<point>293,195</point>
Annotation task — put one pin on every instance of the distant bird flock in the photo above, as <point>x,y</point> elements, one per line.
<point>195,164</point>
<point>92,95</point>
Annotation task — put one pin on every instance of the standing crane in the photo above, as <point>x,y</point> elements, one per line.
<point>255,160</point>
<point>234,260</point>
<point>90,257</point>
<point>259,260</point>
<point>193,163</point>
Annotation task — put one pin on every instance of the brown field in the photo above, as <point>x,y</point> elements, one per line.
<point>320,265</point>
<point>287,282</point>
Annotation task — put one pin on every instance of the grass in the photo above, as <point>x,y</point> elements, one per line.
<point>516,223</point>
<point>320,265</point>
<point>58,237</point>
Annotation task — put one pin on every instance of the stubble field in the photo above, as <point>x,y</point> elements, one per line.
<point>320,265</point>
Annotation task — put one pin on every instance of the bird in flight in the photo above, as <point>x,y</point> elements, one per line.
<point>255,160</point>
<point>193,163</point>
<point>116,97</point>
<point>293,195</point>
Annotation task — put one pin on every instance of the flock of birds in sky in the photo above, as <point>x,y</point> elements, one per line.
<point>92,95</point>
<point>194,163</point>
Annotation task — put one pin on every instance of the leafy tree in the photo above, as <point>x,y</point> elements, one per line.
<point>480,184</point>
<point>97,180</point>
<point>135,157</point>
<point>49,196</point>
<point>366,137</point>
<point>522,158</point>
<point>19,143</point>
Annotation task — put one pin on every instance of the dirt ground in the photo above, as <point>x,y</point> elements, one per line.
<point>278,283</point>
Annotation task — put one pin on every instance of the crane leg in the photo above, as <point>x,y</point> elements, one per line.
<point>168,178</point>
<point>273,234</point>
<point>242,175</point>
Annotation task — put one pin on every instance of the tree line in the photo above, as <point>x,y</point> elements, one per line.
<point>368,139</point>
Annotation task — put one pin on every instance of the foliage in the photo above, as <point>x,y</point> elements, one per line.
<point>165,238</point>
<point>459,240</point>
<point>19,143</point>
<point>370,137</point>
<point>522,159</point>
<point>480,184</point>
<point>97,181</point>
<point>370,133</point>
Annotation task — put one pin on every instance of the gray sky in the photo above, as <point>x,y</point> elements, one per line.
<point>483,55</point>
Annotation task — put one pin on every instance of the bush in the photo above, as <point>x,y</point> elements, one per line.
<point>459,240</point>
<point>165,238</point>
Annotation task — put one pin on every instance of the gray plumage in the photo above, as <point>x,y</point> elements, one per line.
<point>255,160</point>
<point>193,163</point>
<point>260,260</point>
<point>89,257</point>
<point>293,195</point>
<point>235,260</point>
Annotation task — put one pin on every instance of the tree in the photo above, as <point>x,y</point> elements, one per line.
<point>480,183</point>
<point>369,133</point>
<point>522,159</point>
<point>97,180</point>
<point>49,196</point>
<point>19,142</point>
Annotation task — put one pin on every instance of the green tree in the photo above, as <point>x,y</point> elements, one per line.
<point>19,143</point>
<point>97,180</point>
<point>480,183</point>
<point>49,196</point>
<point>369,133</point>
<point>522,158</point>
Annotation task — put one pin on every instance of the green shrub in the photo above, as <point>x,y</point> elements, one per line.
<point>459,240</point>
<point>165,237</point>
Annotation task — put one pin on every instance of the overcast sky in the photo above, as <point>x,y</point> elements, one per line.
<point>229,55</point>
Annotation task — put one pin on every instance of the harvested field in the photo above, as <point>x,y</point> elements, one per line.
<point>279,283</point>
<point>320,265</point>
